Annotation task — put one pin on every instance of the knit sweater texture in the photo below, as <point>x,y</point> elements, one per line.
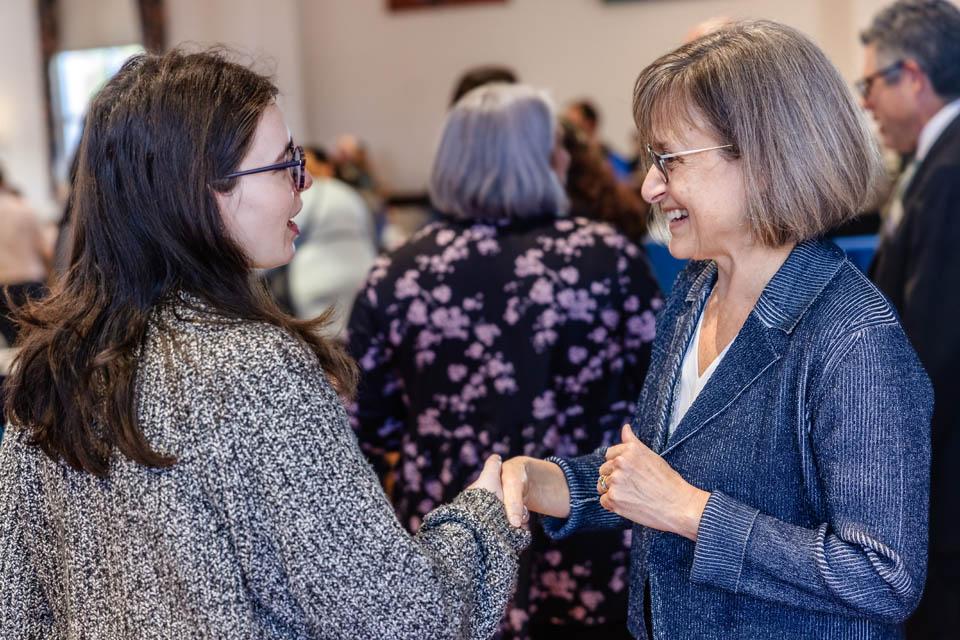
<point>271,524</point>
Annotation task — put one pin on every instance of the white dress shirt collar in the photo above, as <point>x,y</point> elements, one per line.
<point>935,126</point>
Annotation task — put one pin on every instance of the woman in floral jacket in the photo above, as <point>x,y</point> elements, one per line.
<point>506,327</point>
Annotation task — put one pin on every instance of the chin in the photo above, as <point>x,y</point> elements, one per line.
<point>275,261</point>
<point>678,251</point>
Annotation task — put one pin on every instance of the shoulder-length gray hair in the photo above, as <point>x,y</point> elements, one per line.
<point>809,160</point>
<point>494,158</point>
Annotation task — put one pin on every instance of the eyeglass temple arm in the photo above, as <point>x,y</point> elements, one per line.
<point>289,164</point>
<point>691,151</point>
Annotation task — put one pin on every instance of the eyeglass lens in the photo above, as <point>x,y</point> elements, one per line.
<point>658,163</point>
<point>297,172</point>
<point>865,84</point>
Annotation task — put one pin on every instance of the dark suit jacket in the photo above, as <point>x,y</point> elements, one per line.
<point>919,269</point>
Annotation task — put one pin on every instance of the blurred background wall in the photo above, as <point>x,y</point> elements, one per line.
<point>353,66</point>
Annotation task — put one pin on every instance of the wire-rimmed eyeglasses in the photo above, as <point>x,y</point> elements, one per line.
<point>297,165</point>
<point>660,159</point>
<point>864,84</point>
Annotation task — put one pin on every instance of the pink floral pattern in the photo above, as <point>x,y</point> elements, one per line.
<point>524,338</point>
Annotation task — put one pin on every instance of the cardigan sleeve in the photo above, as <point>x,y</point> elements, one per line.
<point>310,521</point>
<point>869,431</point>
<point>586,514</point>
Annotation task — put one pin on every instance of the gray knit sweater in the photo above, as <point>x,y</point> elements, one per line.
<point>270,525</point>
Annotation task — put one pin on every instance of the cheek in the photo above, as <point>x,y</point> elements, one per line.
<point>894,111</point>
<point>250,228</point>
<point>233,218</point>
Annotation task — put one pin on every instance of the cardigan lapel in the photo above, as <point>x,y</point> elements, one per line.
<point>749,356</point>
<point>654,431</point>
<point>757,346</point>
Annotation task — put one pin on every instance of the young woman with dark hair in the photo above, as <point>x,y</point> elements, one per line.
<point>179,461</point>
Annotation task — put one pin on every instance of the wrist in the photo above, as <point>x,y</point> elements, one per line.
<point>693,512</point>
<point>548,492</point>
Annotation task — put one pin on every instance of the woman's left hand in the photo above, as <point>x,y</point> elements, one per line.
<point>640,486</point>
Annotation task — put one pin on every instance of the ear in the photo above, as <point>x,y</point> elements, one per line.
<point>915,75</point>
<point>226,202</point>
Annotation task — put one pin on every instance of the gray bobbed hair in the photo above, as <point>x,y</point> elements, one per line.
<point>494,158</point>
<point>809,160</point>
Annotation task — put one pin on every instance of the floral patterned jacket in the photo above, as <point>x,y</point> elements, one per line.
<point>525,337</point>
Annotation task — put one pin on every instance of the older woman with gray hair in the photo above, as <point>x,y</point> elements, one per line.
<point>506,327</point>
<point>775,472</point>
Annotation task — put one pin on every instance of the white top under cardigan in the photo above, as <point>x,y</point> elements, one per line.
<point>690,383</point>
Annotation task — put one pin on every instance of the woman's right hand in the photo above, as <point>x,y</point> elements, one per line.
<point>516,484</point>
<point>489,477</point>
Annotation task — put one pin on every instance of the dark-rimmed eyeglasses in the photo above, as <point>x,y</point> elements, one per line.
<point>297,165</point>
<point>659,160</point>
<point>864,84</point>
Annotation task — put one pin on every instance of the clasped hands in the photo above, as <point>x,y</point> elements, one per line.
<point>637,484</point>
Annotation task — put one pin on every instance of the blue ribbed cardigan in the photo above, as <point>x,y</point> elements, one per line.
<point>813,438</point>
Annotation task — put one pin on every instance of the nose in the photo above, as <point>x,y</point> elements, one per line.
<point>653,189</point>
<point>307,181</point>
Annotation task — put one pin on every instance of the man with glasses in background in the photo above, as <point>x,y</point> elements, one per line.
<point>911,86</point>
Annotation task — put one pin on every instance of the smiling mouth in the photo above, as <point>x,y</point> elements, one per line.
<point>677,214</point>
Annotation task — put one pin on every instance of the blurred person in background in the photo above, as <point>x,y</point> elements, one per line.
<point>585,115</point>
<point>911,87</point>
<point>479,76</point>
<point>352,165</point>
<point>335,249</point>
<point>594,191</point>
<point>25,256</point>
<point>706,27</point>
<point>506,327</point>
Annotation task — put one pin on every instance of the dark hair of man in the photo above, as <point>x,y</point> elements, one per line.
<point>479,76</point>
<point>588,111</point>
<point>147,226</point>
<point>927,31</point>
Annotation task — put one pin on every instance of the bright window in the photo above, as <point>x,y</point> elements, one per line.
<point>75,76</point>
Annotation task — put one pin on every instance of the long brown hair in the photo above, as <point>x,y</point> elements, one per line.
<point>594,191</point>
<point>147,226</point>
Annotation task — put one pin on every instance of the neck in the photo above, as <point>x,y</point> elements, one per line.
<point>742,275</point>
<point>928,106</point>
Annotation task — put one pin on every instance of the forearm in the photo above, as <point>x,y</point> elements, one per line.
<point>548,493</point>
